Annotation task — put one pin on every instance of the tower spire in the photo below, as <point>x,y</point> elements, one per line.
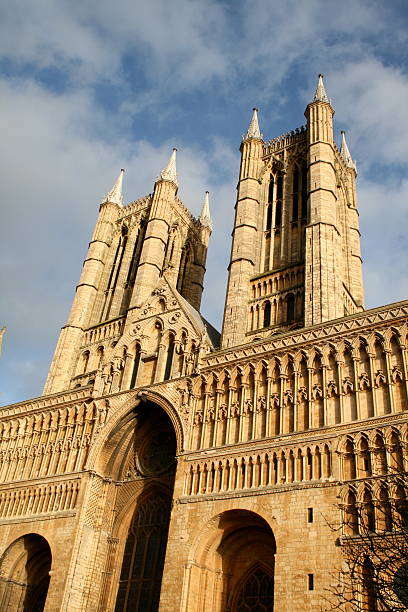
<point>169,173</point>
<point>321,95</point>
<point>253,129</point>
<point>205,216</point>
<point>345,153</point>
<point>115,194</point>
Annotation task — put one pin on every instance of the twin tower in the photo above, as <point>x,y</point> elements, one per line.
<point>295,262</point>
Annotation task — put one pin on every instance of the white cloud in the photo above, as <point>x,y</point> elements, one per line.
<point>384,217</point>
<point>370,99</point>
<point>175,42</point>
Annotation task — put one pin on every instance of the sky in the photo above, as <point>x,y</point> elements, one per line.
<point>90,86</point>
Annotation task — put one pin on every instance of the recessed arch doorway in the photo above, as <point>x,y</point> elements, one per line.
<point>233,563</point>
<point>25,574</point>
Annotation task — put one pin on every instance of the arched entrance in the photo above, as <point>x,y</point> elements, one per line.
<point>25,574</point>
<point>148,463</point>
<point>233,563</point>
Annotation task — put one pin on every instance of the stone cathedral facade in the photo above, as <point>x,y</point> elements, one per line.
<point>168,467</point>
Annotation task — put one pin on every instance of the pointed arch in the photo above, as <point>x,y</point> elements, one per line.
<point>25,569</point>
<point>230,548</point>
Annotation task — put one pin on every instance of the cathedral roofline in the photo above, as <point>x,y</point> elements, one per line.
<point>352,323</point>
<point>286,139</point>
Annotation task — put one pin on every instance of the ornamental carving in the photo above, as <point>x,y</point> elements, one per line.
<point>364,382</point>
<point>235,409</point>
<point>317,392</point>
<point>380,379</point>
<point>396,374</point>
<point>288,398</point>
<point>275,402</point>
<point>332,389</point>
<point>348,386</point>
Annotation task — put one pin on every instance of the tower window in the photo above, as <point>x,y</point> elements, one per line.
<point>186,257</point>
<point>310,515</point>
<point>279,197</point>
<point>269,217</point>
<point>270,190</point>
<point>278,214</point>
<point>279,187</point>
<point>310,582</point>
<point>134,262</point>
<point>304,192</point>
<point>295,207</point>
<point>267,314</point>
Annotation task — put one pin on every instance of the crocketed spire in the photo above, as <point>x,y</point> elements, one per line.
<point>205,216</point>
<point>169,173</point>
<point>320,95</point>
<point>345,153</point>
<point>115,194</point>
<point>253,130</point>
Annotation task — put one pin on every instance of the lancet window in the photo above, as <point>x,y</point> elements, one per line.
<point>183,270</point>
<point>295,198</point>
<point>169,358</point>
<point>279,201</point>
<point>143,560</point>
<point>114,273</point>
<point>267,314</point>
<point>369,599</point>
<point>273,220</point>
<point>270,204</point>
<point>299,193</point>
<point>256,593</point>
<point>134,263</point>
<point>136,364</point>
<point>304,193</point>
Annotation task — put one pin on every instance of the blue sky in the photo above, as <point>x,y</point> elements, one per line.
<point>89,87</point>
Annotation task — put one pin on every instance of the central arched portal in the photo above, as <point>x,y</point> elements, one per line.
<point>151,463</point>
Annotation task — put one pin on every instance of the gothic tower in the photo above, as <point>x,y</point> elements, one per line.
<point>295,257</point>
<point>158,473</point>
<point>144,259</point>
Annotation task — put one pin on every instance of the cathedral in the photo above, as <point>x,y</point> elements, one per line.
<point>168,467</point>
